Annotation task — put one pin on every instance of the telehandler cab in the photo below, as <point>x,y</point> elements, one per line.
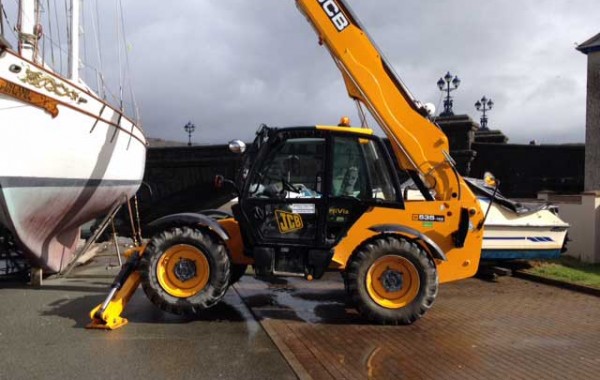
<point>322,198</point>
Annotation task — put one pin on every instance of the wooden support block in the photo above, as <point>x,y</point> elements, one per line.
<point>36,277</point>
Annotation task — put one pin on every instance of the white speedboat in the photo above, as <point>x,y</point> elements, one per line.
<point>519,231</point>
<point>513,230</point>
<point>66,156</point>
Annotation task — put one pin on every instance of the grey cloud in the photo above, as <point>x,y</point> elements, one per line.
<point>230,65</point>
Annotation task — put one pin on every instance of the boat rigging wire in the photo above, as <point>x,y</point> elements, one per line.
<point>51,33</point>
<point>2,19</point>
<point>13,107</point>
<point>52,37</point>
<point>10,27</point>
<point>99,71</point>
<point>82,31</point>
<point>69,38</point>
<point>120,62</point>
<point>59,39</point>
<point>128,66</point>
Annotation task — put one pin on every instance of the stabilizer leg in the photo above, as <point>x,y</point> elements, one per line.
<point>107,316</point>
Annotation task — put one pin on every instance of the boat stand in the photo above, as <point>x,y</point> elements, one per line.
<point>116,244</point>
<point>92,239</point>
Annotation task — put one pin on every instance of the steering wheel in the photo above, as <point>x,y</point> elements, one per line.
<point>288,186</point>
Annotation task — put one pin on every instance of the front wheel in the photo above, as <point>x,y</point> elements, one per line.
<point>237,271</point>
<point>184,270</point>
<point>392,280</point>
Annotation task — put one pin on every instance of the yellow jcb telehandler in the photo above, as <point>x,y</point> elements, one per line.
<point>320,198</point>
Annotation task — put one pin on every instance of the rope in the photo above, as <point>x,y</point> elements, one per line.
<point>28,38</point>
<point>38,32</point>
<point>137,217</point>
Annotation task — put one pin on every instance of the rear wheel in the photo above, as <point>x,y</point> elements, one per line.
<point>185,270</point>
<point>392,281</point>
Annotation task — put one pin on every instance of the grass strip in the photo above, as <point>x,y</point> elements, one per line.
<point>569,270</point>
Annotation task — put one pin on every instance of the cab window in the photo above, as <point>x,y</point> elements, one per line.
<point>293,169</point>
<point>360,170</point>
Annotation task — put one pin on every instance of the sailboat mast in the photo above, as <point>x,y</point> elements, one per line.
<point>74,45</point>
<point>26,28</point>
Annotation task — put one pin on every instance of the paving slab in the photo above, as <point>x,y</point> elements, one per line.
<point>510,329</point>
<point>42,336</point>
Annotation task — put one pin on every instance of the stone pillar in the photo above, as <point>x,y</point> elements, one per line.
<point>460,130</point>
<point>490,136</point>
<point>591,197</point>
<point>582,212</point>
<point>591,48</point>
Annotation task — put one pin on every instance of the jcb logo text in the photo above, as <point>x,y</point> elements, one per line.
<point>288,222</point>
<point>335,14</point>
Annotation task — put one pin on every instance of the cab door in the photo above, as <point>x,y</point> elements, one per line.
<point>362,176</point>
<point>283,203</point>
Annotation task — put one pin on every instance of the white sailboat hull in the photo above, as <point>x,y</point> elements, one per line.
<point>65,158</point>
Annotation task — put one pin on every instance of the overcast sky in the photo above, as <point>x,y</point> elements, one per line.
<point>229,65</point>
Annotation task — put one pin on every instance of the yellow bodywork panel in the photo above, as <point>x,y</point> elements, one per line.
<point>235,245</point>
<point>461,262</point>
<point>364,131</point>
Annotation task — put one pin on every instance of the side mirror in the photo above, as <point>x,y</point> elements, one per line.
<point>237,146</point>
<point>220,181</point>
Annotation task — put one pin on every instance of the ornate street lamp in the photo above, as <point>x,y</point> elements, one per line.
<point>484,105</point>
<point>189,128</point>
<point>444,86</point>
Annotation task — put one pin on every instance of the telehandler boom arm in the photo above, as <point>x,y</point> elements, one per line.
<point>419,145</point>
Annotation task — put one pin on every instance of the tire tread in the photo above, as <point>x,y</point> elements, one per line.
<point>355,280</point>
<point>216,254</point>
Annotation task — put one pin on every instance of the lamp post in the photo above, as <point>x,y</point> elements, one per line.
<point>484,105</point>
<point>444,86</point>
<point>189,128</point>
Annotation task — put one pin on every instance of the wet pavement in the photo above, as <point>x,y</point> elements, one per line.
<point>512,329</point>
<point>42,336</point>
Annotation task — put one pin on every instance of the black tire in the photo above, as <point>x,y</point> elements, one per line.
<point>212,249</point>
<point>394,248</point>
<point>237,271</point>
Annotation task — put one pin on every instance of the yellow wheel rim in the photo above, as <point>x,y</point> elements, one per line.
<point>392,281</point>
<point>183,270</point>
